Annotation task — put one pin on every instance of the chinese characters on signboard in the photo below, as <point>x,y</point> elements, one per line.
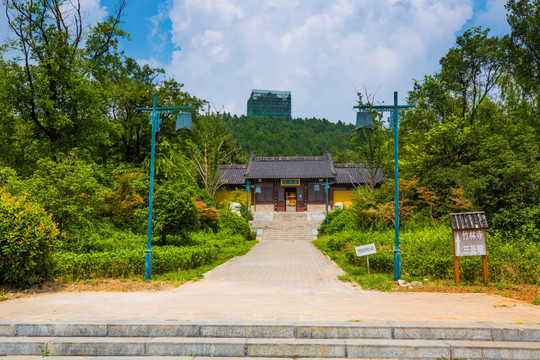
<point>470,242</point>
<point>290,182</point>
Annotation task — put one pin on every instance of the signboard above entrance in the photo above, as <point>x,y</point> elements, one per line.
<point>290,182</point>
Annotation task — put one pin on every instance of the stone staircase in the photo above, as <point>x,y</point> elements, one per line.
<point>286,226</point>
<point>261,340</point>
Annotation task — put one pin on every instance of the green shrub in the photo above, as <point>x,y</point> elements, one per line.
<point>340,240</point>
<point>68,188</point>
<point>27,237</point>
<point>102,240</point>
<point>344,220</point>
<point>234,224</point>
<point>174,211</point>
<point>331,216</point>
<point>10,181</point>
<point>123,201</point>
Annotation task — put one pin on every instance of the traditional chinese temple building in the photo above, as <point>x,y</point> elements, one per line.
<point>294,183</point>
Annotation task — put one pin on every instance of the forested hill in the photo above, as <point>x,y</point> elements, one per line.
<point>296,137</point>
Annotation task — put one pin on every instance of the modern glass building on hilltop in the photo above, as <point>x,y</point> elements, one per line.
<point>269,103</point>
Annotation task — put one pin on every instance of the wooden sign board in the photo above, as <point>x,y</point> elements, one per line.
<point>469,239</point>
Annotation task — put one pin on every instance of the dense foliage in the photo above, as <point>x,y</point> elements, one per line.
<point>282,137</point>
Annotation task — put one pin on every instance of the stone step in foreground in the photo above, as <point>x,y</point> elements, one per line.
<point>308,340</point>
<point>267,347</point>
<point>296,330</point>
<point>51,357</point>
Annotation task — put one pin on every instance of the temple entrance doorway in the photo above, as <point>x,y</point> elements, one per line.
<point>290,199</point>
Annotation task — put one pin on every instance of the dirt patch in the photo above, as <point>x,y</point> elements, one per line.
<point>525,293</point>
<point>112,285</point>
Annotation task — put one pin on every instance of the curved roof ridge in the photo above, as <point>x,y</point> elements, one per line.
<point>341,166</point>
<point>290,158</point>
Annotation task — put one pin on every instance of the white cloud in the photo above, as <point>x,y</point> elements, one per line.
<point>158,38</point>
<point>92,11</point>
<point>320,50</point>
<point>152,62</point>
<point>494,17</point>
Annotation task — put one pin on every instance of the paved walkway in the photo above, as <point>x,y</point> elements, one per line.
<point>278,280</point>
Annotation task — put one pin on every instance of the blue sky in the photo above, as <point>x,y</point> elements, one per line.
<point>322,51</point>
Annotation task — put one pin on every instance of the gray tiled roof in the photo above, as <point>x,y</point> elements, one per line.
<point>308,167</point>
<point>232,174</point>
<point>469,220</point>
<point>355,174</point>
<point>296,167</point>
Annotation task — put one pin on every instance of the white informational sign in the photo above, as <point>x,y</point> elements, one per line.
<point>470,242</point>
<point>365,250</point>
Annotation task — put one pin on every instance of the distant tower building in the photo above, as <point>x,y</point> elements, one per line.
<point>269,103</point>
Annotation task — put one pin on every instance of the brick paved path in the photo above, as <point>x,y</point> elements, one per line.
<point>287,262</point>
<point>278,280</point>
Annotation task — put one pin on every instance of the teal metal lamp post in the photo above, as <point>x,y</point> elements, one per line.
<point>326,189</point>
<point>365,121</point>
<point>183,121</point>
<point>248,189</point>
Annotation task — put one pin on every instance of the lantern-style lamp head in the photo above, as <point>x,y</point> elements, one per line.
<point>364,120</point>
<point>257,189</point>
<point>183,121</point>
<point>317,187</point>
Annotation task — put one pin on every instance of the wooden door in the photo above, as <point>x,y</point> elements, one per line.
<point>300,199</point>
<point>280,198</point>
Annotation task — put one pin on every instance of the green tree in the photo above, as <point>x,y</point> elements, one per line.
<point>52,89</point>
<point>68,188</point>
<point>470,71</point>
<point>174,210</point>
<point>210,146</point>
<point>524,20</point>
<point>503,180</point>
<point>372,146</point>
<point>128,86</point>
<point>282,137</point>
<point>456,110</point>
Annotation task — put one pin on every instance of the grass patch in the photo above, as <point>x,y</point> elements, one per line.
<point>355,274</point>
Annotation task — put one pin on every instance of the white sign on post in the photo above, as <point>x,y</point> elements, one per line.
<point>365,250</point>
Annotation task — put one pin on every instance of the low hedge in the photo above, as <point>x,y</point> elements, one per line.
<point>126,263</point>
